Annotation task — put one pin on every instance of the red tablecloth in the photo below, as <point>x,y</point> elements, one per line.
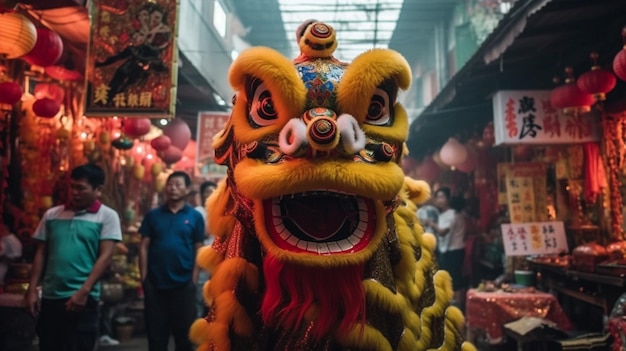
<point>617,327</point>
<point>489,311</point>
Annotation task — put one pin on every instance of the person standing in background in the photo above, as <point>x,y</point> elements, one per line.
<point>171,236</point>
<point>75,245</point>
<point>450,232</point>
<point>206,189</point>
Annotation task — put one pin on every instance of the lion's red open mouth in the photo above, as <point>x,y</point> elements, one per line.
<point>320,222</point>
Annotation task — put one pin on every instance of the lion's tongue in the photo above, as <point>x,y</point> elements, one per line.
<point>320,218</point>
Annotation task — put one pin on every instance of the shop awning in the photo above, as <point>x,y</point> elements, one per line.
<point>532,44</point>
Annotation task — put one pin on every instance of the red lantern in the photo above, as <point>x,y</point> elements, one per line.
<point>46,108</point>
<point>161,143</point>
<point>619,62</point>
<point>597,82</point>
<point>137,127</point>
<point>49,90</point>
<point>48,48</point>
<point>179,133</point>
<point>569,97</point>
<point>10,93</point>
<point>171,155</point>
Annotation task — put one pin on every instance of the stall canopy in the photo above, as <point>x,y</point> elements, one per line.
<point>532,44</point>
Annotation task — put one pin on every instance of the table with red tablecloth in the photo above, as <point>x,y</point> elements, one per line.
<point>489,311</point>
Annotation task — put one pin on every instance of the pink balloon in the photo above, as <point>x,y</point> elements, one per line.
<point>161,143</point>
<point>171,155</point>
<point>178,131</point>
<point>471,162</point>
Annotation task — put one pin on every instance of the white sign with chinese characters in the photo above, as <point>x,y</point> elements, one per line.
<point>537,238</point>
<point>527,117</point>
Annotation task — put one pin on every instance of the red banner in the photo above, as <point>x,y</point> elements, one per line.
<point>209,124</point>
<point>132,58</point>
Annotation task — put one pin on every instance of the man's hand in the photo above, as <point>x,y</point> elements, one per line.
<point>31,302</point>
<point>77,301</point>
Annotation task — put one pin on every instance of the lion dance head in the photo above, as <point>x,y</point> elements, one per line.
<point>318,246</point>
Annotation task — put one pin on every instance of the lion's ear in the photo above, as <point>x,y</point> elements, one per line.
<point>418,190</point>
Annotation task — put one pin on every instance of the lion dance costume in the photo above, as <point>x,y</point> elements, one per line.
<point>318,246</point>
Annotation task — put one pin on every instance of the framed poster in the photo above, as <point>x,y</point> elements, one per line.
<point>132,59</point>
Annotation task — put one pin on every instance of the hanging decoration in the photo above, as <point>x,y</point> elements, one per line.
<point>619,62</point>
<point>179,133</point>
<point>10,93</point>
<point>46,107</point>
<point>470,162</point>
<point>17,35</point>
<point>122,143</point>
<point>610,127</point>
<point>131,62</point>
<point>171,155</point>
<point>136,127</point>
<point>569,98</point>
<point>428,170</point>
<point>453,153</point>
<point>50,91</point>
<point>47,50</point>
<point>597,82</point>
<point>161,143</point>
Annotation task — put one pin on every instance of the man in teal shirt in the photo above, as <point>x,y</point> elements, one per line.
<point>75,245</point>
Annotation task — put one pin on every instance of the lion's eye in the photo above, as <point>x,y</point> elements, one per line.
<point>262,110</point>
<point>378,111</point>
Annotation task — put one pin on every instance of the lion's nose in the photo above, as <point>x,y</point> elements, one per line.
<point>321,132</point>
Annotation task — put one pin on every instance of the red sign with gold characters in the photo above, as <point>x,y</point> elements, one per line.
<point>132,59</point>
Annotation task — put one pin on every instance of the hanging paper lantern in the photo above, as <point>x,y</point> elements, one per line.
<point>428,170</point>
<point>619,62</point>
<point>50,91</point>
<point>123,143</point>
<point>489,136</point>
<point>17,35</point>
<point>569,98</point>
<point>46,108</point>
<point>171,155</point>
<point>179,133</point>
<point>470,162</point>
<point>47,50</point>
<point>137,127</point>
<point>597,82</point>
<point>10,93</point>
<point>161,143</point>
<point>453,153</point>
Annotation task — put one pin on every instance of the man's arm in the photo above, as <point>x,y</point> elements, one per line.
<point>196,268</point>
<point>143,257</point>
<point>79,299</point>
<point>31,297</point>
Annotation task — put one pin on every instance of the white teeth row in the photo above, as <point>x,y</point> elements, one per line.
<point>326,247</point>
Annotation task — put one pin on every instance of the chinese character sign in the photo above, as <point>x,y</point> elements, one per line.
<point>535,238</point>
<point>527,117</point>
<point>209,125</point>
<point>132,59</point>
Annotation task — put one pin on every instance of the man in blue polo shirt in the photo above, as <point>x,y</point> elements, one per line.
<point>75,245</point>
<point>171,235</point>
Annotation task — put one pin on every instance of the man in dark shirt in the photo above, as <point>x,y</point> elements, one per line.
<point>171,235</point>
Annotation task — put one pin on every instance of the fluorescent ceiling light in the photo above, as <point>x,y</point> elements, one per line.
<point>360,25</point>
